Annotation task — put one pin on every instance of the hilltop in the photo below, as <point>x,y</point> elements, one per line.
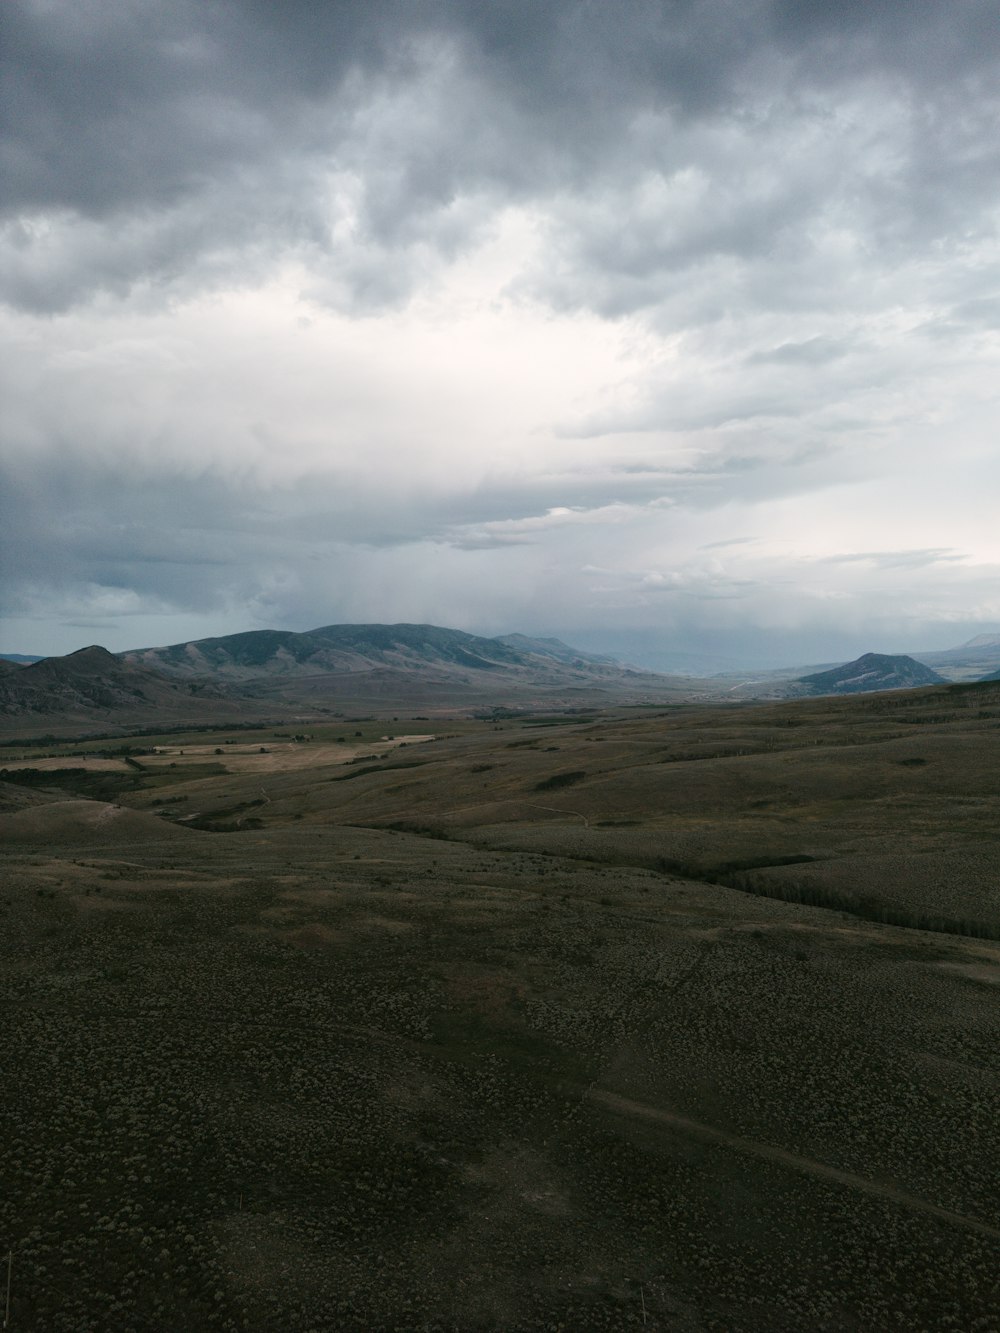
<point>92,685</point>
<point>872,671</point>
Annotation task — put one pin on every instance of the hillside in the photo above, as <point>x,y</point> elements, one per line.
<point>872,671</point>
<point>360,648</point>
<point>92,685</point>
<point>561,652</point>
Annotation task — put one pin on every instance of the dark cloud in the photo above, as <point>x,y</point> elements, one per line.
<point>174,142</point>
<point>112,104</point>
<point>183,537</point>
<point>923,41</point>
<point>123,106</point>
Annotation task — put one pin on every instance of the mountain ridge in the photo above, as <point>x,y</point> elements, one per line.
<point>275,673</point>
<point>355,648</point>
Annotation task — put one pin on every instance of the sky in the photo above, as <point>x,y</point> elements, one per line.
<point>671,329</point>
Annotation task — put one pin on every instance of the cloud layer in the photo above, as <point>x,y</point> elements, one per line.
<point>676,321</point>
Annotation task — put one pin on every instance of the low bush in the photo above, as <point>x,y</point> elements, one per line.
<point>558,780</point>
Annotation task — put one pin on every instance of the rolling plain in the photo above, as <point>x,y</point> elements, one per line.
<point>678,1017</point>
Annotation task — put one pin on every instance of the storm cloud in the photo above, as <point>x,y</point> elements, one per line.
<point>676,321</point>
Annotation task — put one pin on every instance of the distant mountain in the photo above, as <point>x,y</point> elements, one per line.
<point>406,666</point>
<point>19,659</point>
<point>968,661</point>
<point>872,671</point>
<point>337,668</point>
<point>357,649</point>
<point>558,650</point>
<point>92,685</point>
<point>993,675</point>
<point>331,648</point>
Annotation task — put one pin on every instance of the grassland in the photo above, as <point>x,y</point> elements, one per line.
<point>630,1020</point>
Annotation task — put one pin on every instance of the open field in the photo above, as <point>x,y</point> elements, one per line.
<point>278,757</point>
<point>681,1019</point>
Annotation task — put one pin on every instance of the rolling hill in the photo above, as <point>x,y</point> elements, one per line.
<point>665,1019</point>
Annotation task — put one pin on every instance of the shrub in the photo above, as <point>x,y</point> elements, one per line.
<point>560,780</point>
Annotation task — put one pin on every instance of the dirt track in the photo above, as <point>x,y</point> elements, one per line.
<point>769,1153</point>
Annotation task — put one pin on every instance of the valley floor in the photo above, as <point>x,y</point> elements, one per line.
<point>584,1025</point>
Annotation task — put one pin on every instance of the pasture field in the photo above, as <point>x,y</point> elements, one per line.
<point>681,1019</point>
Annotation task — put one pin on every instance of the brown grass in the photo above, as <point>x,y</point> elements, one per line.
<point>503,1068</point>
